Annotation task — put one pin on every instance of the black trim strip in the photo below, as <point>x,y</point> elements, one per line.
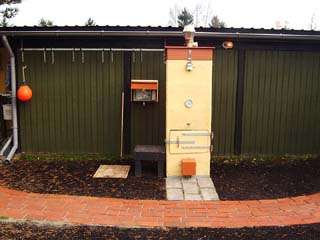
<point>127,102</point>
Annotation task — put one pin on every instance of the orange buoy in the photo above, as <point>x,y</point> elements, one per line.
<point>24,93</point>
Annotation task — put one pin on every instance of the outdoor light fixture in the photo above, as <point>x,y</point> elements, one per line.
<point>188,32</point>
<point>227,45</point>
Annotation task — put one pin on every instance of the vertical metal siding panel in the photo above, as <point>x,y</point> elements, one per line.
<point>97,65</point>
<point>266,103</point>
<point>148,122</point>
<point>255,104</point>
<point>119,86</point>
<point>68,95</point>
<point>296,100</point>
<point>291,103</point>
<point>305,146</point>
<point>93,101</point>
<point>223,110</point>
<point>105,78</point>
<point>216,106</point>
<point>260,91</point>
<point>283,76</point>
<point>61,63</point>
<point>75,104</point>
<point>246,103</point>
<point>270,92</point>
<point>65,114</point>
<point>315,104</point>
<point>22,111</point>
<point>286,93</point>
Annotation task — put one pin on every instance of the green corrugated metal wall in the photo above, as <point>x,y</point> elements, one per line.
<point>148,122</point>
<point>224,96</point>
<point>76,106</point>
<point>281,102</point>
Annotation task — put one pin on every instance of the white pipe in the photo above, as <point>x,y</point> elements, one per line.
<point>13,99</point>
<point>6,145</point>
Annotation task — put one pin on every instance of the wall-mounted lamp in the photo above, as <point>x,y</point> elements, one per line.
<point>227,45</point>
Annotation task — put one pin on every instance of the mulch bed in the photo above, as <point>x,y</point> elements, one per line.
<point>233,181</point>
<point>274,179</point>
<point>31,231</point>
<point>75,178</point>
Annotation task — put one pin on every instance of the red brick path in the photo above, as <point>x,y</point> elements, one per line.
<point>151,213</point>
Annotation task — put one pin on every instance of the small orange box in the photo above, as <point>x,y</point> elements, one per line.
<point>188,167</point>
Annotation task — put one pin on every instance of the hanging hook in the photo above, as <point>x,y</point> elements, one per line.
<point>102,56</point>
<point>44,55</point>
<point>73,56</point>
<point>82,56</point>
<point>24,74</point>
<point>22,56</point>
<point>111,55</point>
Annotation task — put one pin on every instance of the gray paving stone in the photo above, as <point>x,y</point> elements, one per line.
<point>192,197</point>
<point>192,179</point>
<point>205,182</point>
<point>174,194</point>
<point>209,194</point>
<point>193,188</point>
<point>173,182</point>
<point>190,188</point>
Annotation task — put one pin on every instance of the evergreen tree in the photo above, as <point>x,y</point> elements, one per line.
<point>216,22</point>
<point>90,22</point>
<point>45,23</point>
<point>8,12</point>
<point>185,18</point>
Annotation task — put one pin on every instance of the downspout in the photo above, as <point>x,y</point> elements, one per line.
<point>13,99</point>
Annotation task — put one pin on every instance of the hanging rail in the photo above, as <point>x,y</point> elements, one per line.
<point>96,49</point>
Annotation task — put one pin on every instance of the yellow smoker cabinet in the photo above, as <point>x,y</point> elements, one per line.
<point>188,108</point>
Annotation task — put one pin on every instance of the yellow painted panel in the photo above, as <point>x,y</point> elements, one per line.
<point>183,85</point>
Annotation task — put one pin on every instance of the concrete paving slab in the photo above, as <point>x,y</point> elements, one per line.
<point>174,194</point>
<point>192,197</point>
<point>193,188</point>
<point>112,171</point>
<point>192,179</point>
<point>209,194</point>
<point>190,188</point>
<point>205,182</point>
<point>173,182</point>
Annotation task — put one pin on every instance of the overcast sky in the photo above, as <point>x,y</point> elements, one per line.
<point>236,13</point>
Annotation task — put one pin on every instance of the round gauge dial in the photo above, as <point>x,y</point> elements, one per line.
<point>188,103</point>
